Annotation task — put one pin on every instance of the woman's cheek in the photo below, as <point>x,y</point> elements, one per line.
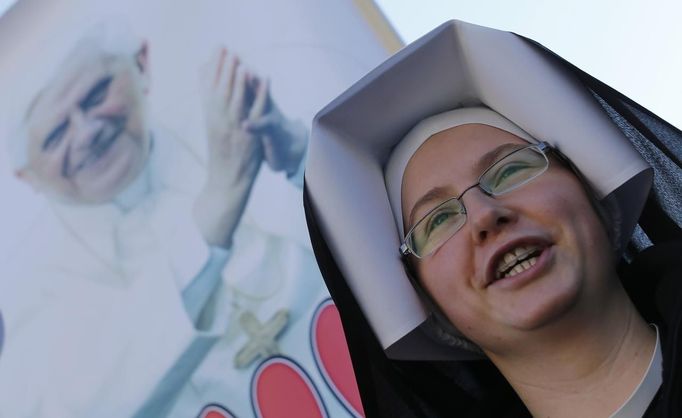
<point>447,278</point>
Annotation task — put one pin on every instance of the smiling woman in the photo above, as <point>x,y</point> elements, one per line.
<point>549,221</point>
<point>527,270</point>
<point>514,255</point>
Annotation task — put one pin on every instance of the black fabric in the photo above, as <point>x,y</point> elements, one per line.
<point>657,141</point>
<point>654,280</point>
<point>476,389</point>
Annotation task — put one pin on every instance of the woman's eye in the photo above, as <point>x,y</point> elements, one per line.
<point>438,220</point>
<point>508,173</point>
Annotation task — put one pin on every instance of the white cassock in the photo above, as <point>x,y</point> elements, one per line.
<point>92,298</point>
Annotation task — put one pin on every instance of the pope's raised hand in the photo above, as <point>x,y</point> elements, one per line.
<point>234,153</point>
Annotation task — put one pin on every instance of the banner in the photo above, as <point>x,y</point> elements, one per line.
<point>155,260</point>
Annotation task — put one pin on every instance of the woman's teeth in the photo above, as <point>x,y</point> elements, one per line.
<point>523,266</point>
<point>517,260</point>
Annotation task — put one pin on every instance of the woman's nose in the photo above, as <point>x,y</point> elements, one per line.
<point>486,215</point>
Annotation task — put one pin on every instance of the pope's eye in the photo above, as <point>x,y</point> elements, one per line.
<point>55,137</point>
<point>97,93</point>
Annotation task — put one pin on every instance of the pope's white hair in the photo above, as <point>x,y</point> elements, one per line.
<point>111,37</point>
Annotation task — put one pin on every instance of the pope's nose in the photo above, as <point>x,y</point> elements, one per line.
<point>84,129</point>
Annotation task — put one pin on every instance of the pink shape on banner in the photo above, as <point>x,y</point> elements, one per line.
<point>215,411</point>
<point>282,389</point>
<point>332,357</point>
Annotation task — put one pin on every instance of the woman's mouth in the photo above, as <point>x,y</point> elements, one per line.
<point>518,261</point>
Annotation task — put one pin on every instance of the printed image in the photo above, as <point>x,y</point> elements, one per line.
<point>161,263</point>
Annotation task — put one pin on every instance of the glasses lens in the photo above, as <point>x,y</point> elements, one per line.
<point>514,170</point>
<point>436,227</point>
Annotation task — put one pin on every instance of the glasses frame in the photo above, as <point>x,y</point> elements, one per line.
<point>542,147</point>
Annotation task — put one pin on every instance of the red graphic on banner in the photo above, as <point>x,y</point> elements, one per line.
<point>215,411</point>
<point>281,389</point>
<point>332,357</point>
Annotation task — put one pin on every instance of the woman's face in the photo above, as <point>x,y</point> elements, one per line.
<point>550,216</point>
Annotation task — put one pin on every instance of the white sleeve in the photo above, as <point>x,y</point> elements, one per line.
<point>197,295</point>
<point>188,251</point>
<point>197,268</point>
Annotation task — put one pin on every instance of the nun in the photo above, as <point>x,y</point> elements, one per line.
<point>501,234</point>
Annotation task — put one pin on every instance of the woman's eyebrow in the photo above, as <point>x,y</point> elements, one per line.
<point>439,192</point>
<point>490,157</point>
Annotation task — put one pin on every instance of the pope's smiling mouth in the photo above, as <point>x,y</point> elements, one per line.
<point>98,147</point>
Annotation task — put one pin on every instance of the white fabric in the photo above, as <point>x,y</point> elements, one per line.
<point>638,402</point>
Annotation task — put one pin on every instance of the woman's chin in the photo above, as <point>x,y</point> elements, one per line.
<point>543,305</point>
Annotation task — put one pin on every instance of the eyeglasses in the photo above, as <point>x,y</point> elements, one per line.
<point>506,174</point>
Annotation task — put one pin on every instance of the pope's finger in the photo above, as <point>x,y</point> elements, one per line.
<point>261,100</point>
<point>250,90</point>
<point>217,64</point>
<point>209,72</point>
<point>228,73</point>
<point>237,99</point>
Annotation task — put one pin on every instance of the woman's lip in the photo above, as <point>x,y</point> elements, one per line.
<point>527,275</point>
<point>491,270</point>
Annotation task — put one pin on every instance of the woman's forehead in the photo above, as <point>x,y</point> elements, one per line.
<point>451,160</point>
<point>459,152</point>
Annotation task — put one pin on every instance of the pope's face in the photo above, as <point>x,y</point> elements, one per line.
<point>87,133</point>
<point>551,217</point>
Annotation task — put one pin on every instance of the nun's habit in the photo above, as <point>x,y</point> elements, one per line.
<point>403,365</point>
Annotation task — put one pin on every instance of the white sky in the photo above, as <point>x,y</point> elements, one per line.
<point>632,45</point>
